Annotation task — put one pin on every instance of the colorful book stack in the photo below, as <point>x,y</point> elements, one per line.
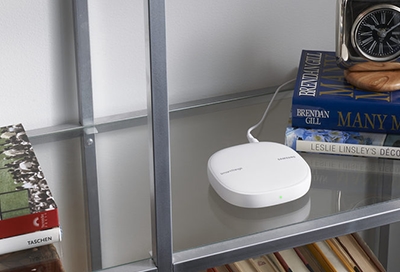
<point>331,116</point>
<point>344,253</point>
<point>28,212</point>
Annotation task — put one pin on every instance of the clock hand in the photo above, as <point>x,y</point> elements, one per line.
<point>372,27</point>
<point>393,27</point>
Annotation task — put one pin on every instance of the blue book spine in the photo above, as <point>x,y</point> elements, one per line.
<point>323,99</point>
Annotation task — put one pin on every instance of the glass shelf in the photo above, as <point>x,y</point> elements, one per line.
<point>348,194</point>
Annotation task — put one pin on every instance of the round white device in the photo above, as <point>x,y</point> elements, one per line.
<point>259,174</point>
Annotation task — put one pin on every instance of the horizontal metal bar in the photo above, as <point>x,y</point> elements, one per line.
<point>140,266</point>
<point>287,237</point>
<point>226,98</point>
<point>55,133</point>
<point>135,118</point>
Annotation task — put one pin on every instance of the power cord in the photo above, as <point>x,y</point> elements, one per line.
<point>250,137</point>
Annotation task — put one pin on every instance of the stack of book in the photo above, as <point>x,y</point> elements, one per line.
<point>331,116</point>
<point>39,259</point>
<point>344,253</point>
<point>28,212</point>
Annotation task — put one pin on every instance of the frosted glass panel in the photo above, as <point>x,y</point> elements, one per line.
<point>62,166</point>
<point>124,189</point>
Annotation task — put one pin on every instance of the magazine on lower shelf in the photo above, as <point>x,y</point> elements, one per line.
<point>27,205</point>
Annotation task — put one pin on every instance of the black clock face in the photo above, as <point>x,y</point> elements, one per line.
<point>376,33</point>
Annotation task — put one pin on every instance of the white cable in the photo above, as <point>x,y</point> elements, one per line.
<point>250,137</point>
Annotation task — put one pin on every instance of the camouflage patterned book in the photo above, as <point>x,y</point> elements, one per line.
<point>26,202</point>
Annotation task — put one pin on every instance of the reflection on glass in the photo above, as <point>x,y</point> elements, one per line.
<point>256,220</point>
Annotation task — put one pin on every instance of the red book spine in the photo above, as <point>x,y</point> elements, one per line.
<point>29,223</point>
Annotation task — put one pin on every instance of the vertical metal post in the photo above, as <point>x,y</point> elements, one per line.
<point>86,118</point>
<point>384,231</point>
<point>158,114</point>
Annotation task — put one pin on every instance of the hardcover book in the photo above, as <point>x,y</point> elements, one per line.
<point>30,240</point>
<point>26,202</point>
<point>323,99</point>
<point>40,259</point>
<point>353,143</point>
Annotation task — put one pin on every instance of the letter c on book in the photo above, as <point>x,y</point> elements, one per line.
<point>36,222</point>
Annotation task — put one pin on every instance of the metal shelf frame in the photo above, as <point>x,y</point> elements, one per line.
<point>158,114</point>
<point>86,119</point>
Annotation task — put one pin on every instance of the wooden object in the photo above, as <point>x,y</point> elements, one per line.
<point>375,76</point>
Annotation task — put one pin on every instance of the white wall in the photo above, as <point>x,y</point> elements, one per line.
<point>214,48</point>
<point>219,47</point>
<point>36,63</point>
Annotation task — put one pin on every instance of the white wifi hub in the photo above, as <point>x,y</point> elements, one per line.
<point>259,174</point>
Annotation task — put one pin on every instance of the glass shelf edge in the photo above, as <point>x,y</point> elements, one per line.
<point>139,266</point>
<point>287,237</point>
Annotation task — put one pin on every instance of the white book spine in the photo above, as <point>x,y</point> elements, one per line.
<point>348,149</point>
<point>30,240</point>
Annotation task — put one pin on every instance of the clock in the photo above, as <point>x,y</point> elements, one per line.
<point>375,33</point>
<point>368,43</point>
<point>367,31</point>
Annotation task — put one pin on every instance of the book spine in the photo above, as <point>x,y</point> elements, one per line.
<point>274,262</point>
<point>283,262</point>
<point>359,256</point>
<point>28,223</point>
<point>348,149</point>
<point>332,255</point>
<point>323,99</point>
<point>369,252</point>
<point>320,256</point>
<point>339,142</point>
<point>30,240</point>
<point>342,255</point>
<point>338,116</point>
